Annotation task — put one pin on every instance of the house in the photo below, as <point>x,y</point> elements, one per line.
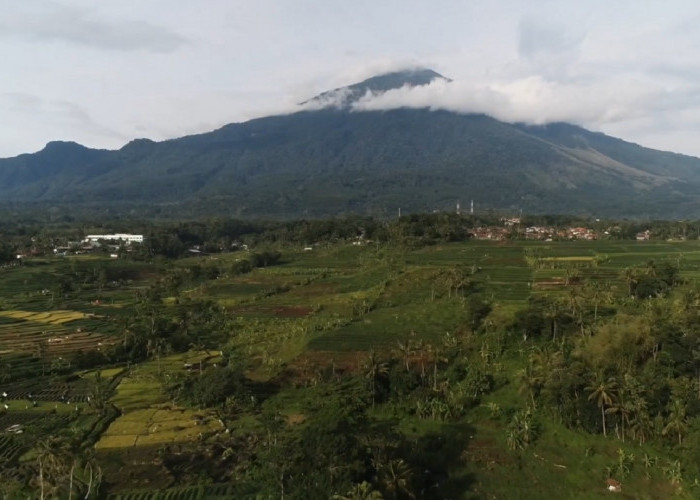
<point>614,486</point>
<point>644,235</point>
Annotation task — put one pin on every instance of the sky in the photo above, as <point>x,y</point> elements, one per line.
<point>104,73</point>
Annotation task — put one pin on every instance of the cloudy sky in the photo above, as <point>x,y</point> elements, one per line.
<point>103,73</point>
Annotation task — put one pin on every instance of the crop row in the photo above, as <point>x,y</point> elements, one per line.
<point>211,491</point>
<point>53,343</point>
<point>9,447</point>
<point>19,417</point>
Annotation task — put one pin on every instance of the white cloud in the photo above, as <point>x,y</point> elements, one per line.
<point>48,21</point>
<point>530,100</point>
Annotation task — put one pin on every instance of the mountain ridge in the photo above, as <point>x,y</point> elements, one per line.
<point>333,160</point>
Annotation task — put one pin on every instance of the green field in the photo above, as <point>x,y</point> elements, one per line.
<point>116,352</point>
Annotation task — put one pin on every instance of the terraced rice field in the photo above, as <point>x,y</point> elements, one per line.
<point>56,317</point>
<point>49,335</point>
<point>157,426</point>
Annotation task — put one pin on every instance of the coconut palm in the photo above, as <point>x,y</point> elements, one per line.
<point>406,349</point>
<point>552,312</point>
<point>438,357</point>
<point>677,421</point>
<point>630,276</point>
<point>622,409</point>
<point>53,459</point>
<point>374,369</point>
<point>396,477</point>
<point>602,391</point>
<point>641,426</point>
<point>530,382</point>
<point>361,491</point>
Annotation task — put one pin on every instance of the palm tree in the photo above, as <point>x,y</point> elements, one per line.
<point>361,491</point>
<point>630,276</point>
<point>374,369</point>
<point>576,306</point>
<point>641,426</point>
<point>530,382</point>
<point>520,432</point>
<point>396,476</point>
<point>52,460</point>
<point>677,422</point>
<point>622,408</point>
<point>598,293</point>
<point>602,390</point>
<point>420,349</point>
<point>551,313</point>
<point>406,350</point>
<point>94,475</point>
<point>546,363</point>
<point>455,280</point>
<point>438,357</point>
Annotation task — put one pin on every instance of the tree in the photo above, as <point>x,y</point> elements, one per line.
<point>618,406</point>
<point>53,459</point>
<point>374,369</point>
<point>406,350</point>
<point>630,276</point>
<point>530,382</point>
<point>677,421</point>
<point>395,476</point>
<point>601,391</point>
<point>438,357</point>
<point>478,309</point>
<point>521,431</point>
<point>99,389</point>
<point>598,294</point>
<point>552,313</point>
<point>361,491</point>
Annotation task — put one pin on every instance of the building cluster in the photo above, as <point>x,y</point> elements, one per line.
<point>543,233</point>
<point>92,242</point>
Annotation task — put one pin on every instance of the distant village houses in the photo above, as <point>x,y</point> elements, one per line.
<point>543,233</point>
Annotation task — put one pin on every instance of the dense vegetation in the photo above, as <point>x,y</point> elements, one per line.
<point>351,359</point>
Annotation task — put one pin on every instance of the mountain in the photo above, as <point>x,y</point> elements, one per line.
<point>327,161</point>
<point>345,97</point>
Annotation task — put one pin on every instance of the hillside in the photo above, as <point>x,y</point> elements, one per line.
<point>333,160</point>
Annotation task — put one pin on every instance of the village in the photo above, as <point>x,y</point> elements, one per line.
<point>513,229</point>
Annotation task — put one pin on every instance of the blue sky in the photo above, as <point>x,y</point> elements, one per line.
<point>103,73</point>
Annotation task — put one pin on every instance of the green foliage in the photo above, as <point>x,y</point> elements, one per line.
<point>522,430</point>
<point>213,387</point>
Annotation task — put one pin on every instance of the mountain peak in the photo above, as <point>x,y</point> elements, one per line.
<point>53,146</point>
<point>345,97</point>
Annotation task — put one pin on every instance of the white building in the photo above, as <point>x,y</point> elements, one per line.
<point>126,238</point>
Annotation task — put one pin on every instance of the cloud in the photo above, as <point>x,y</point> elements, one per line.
<point>537,100</point>
<point>47,21</point>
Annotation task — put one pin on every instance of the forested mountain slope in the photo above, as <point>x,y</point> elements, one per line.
<point>334,160</point>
